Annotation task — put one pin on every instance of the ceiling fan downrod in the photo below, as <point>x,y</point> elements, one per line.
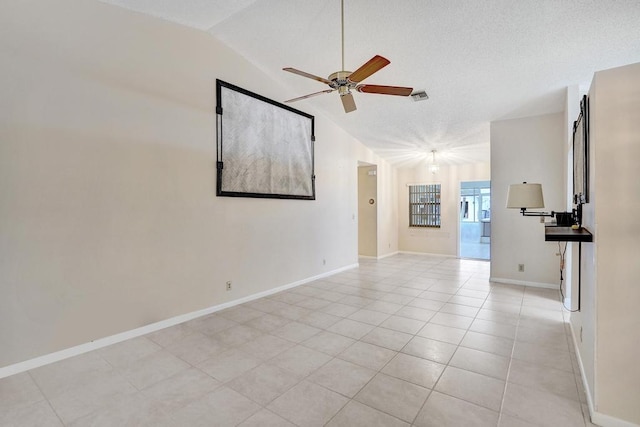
<point>342,23</point>
<point>344,81</point>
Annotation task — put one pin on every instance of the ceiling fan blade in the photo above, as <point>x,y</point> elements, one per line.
<point>373,65</point>
<point>348,103</point>
<point>309,96</point>
<point>385,90</point>
<point>307,75</point>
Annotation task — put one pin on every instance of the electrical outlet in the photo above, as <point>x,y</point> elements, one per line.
<point>229,285</point>
<point>521,268</point>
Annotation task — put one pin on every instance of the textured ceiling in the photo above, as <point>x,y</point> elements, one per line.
<point>479,61</point>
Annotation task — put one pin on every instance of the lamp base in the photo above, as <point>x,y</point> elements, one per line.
<point>564,219</point>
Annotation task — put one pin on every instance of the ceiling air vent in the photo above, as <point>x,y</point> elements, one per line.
<point>419,96</point>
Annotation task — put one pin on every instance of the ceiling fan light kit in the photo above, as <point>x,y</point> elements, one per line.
<point>346,81</point>
<point>419,96</point>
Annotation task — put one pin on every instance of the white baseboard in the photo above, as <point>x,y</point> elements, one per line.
<point>524,283</point>
<point>427,254</point>
<point>143,330</point>
<point>388,255</point>
<point>609,421</point>
<point>585,384</point>
<point>597,418</point>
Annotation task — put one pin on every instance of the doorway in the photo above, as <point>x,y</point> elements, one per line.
<point>367,210</point>
<point>475,219</point>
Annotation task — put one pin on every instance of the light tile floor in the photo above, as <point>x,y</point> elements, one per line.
<point>407,340</point>
<point>475,250</point>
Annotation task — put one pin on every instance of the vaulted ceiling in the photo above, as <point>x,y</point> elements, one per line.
<point>478,61</point>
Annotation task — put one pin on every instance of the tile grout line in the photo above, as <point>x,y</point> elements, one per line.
<point>45,397</point>
<point>513,349</point>
<point>375,296</point>
<point>389,361</point>
<point>448,364</point>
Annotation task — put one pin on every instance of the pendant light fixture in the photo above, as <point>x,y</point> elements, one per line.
<point>434,167</point>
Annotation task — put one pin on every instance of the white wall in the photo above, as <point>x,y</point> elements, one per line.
<point>367,212</point>
<point>108,214</point>
<point>444,240</point>
<point>610,319</point>
<point>530,149</point>
<point>387,204</point>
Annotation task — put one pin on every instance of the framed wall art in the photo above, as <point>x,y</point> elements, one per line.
<point>581,154</point>
<point>264,148</point>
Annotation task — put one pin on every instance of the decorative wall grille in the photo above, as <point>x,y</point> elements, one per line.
<point>424,205</point>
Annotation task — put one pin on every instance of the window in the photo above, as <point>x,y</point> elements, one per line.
<point>424,205</point>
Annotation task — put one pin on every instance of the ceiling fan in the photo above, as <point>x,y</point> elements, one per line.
<point>345,81</point>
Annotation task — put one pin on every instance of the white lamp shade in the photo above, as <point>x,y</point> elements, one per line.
<point>525,196</point>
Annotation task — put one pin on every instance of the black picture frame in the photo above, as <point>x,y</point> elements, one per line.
<point>581,154</point>
<point>265,149</point>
